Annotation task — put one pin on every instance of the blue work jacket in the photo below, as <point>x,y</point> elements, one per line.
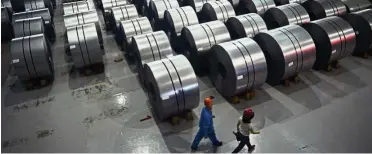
<point>206,121</point>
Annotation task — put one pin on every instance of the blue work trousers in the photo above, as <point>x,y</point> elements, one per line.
<point>199,136</point>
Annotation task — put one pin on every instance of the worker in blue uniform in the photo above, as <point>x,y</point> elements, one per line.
<point>206,128</point>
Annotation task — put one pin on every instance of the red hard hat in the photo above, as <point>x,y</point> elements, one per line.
<point>248,112</point>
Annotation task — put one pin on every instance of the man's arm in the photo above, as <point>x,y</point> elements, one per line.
<point>237,126</point>
<point>253,131</point>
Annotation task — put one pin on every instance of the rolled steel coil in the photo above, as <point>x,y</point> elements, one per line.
<point>32,26</point>
<point>255,6</point>
<point>142,6</point>
<point>31,57</point>
<point>283,2</point>
<point>18,5</point>
<point>247,25</point>
<point>289,50</point>
<point>361,22</point>
<point>237,67</point>
<point>234,3</point>
<point>156,12</point>
<point>173,88</point>
<point>106,8</point>
<point>6,3</point>
<point>38,4</point>
<point>79,6</point>
<point>120,13</point>
<point>83,45</point>
<point>130,28</point>
<point>6,25</point>
<point>318,9</point>
<point>217,10</point>
<point>198,40</point>
<point>150,47</point>
<point>44,13</point>
<point>197,5</point>
<point>285,15</point>
<point>356,5</point>
<point>81,18</point>
<point>334,39</point>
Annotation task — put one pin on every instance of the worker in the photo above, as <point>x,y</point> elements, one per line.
<point>206,128</point>
<point>244,128</point>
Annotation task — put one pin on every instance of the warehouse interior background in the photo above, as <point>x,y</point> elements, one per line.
<point>102,110</point>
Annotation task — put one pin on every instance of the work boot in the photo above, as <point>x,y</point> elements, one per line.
<point>218,144</point>
<point>193,148</point>
<point>250,149</point>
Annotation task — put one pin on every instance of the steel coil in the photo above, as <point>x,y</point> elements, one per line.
<point>247,25</point>
<point>255,6</point>
<point>81,18</point>
<point>79,6</point>
<point>156,12</point>
<point>356,5</point>
<point>38,4</point>
<point>142,6</point>
<point>172,86</point>
<point>289,50</point>
<point>44,13</point>
<point>217,10</point>
<point>198,40</point>
<point>237,67</point>
<point>130,28</point>
<point>6,26</point>
<point>6,3</point>
<point>334,39</point>
<point>197,5</point>
<point>150,47</point>
<point>83,45</point>
<point>283,2</point>
<point>285,15</point>
<point>361,22</point>
<point>32,26</point>
<point>18,5</point>
<point>106,8</point>
<point>318,9</point>
<point>120,13</point>
<point>31,57</point>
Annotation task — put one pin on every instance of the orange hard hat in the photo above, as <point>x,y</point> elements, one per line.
<point>208,101</point>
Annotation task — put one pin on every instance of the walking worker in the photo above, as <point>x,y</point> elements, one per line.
<point>206,128</point>
<point>245,128</point>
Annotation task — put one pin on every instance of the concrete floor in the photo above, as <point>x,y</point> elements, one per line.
<point>326,112</point>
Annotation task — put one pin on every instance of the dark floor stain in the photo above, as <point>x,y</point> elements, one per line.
<point>14,142</point>
<point>36,103</point>
<point>91,91</point>
<point>105,114</point>
<point>44,133</point>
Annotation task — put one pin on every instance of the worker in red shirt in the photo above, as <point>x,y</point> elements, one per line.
<point>245,128</point>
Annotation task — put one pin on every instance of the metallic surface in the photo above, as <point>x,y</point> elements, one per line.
<point>289,50</point>
<point>217,10</point>
<point>6,3</point>
<point>6,24</point>
<point>356,5</point>
<point>44,13</point>
<point>257,6</point>
<point>78,6</point>
<point>130,28</point>
<point>150,47</point>
<point>121,13</point>
<point>247,25</point>
<point>34,4</point>
<point>234,3</point>
<point>318,9</point>
<point>334,39</point>
<point>237,67</point>
<point>31,57</point>
<point>157,8</point>
<point>178,18</point>
<point>106,8</point>
<point>173,86</point>
<point>197,4</point>
<point>283,2</point>
<point>84,45</point>
<point>285,15</point>
<point>28,26</point>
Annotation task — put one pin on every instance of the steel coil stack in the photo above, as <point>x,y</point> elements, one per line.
<point>106,8</point>
<point>356,5</point>
<point>156,12</point>
<point>255,6</point>
<point>142,6</point>
<point>31,57</point>
<point>121,13</point>
<point>150,47</point>
<point>83,44</point>
<point>198,40</point>
<point>173,88</point>
<point>361,22</point>
<point>319,9</point>
<point>38,4</point>
<point>32,26</point>
<point>289,50</point>
<point>6,3</point>
<point>175,20</point>
<point>247,25</point>
<point>237,67</point>
<point>130,28</point>
<point>283,2</point>
<point>334,39</point>
<point>6,24</point>
<point>216,10</point>
<point>197,5</point>
<point>285,15</point>
<point>78,6</point>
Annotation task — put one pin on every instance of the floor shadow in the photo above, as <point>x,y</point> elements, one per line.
<point>85,77</point>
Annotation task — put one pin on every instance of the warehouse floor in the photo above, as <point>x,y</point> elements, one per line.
<point>325,112</point>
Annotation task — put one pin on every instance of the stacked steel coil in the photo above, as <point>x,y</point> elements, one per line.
<point>173,88</point>
<point>285,15</point>
<point>197,5</point>
<point>198,40</point>
<point>318,9</point>
<point>283,2</point>
<point>79,6</point>
<point>156,11</point>
<point>83,44</point>
<point>32,26</point>
<point>361,22</point>
<point>150,47</point>
<point>237,66</point>
<point>31,57</point>
<point>130,28</point>
<point>175,20</point>
<point>217,10</point>
<point>120,13</point>
<point>255,6</point>
<point>289,50</point>
<point>142,6</point>
<point>106,8</point>
<point>334,39</point>
<point>356,5</point>
<point>6,24</point>
<point>6,3</point>
<point>247,25</point>
<point>38,4</point>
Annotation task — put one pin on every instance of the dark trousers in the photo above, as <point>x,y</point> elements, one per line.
<point>244,140</point>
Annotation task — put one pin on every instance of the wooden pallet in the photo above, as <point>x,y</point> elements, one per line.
<point>176,120</point>
<point>248,95</point>
<point>93,69</point>
<point>287,83</point>
<point>333,65</point>
<point>37,82</point>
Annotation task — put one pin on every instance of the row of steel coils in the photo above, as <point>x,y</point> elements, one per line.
<point>29,25</point>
